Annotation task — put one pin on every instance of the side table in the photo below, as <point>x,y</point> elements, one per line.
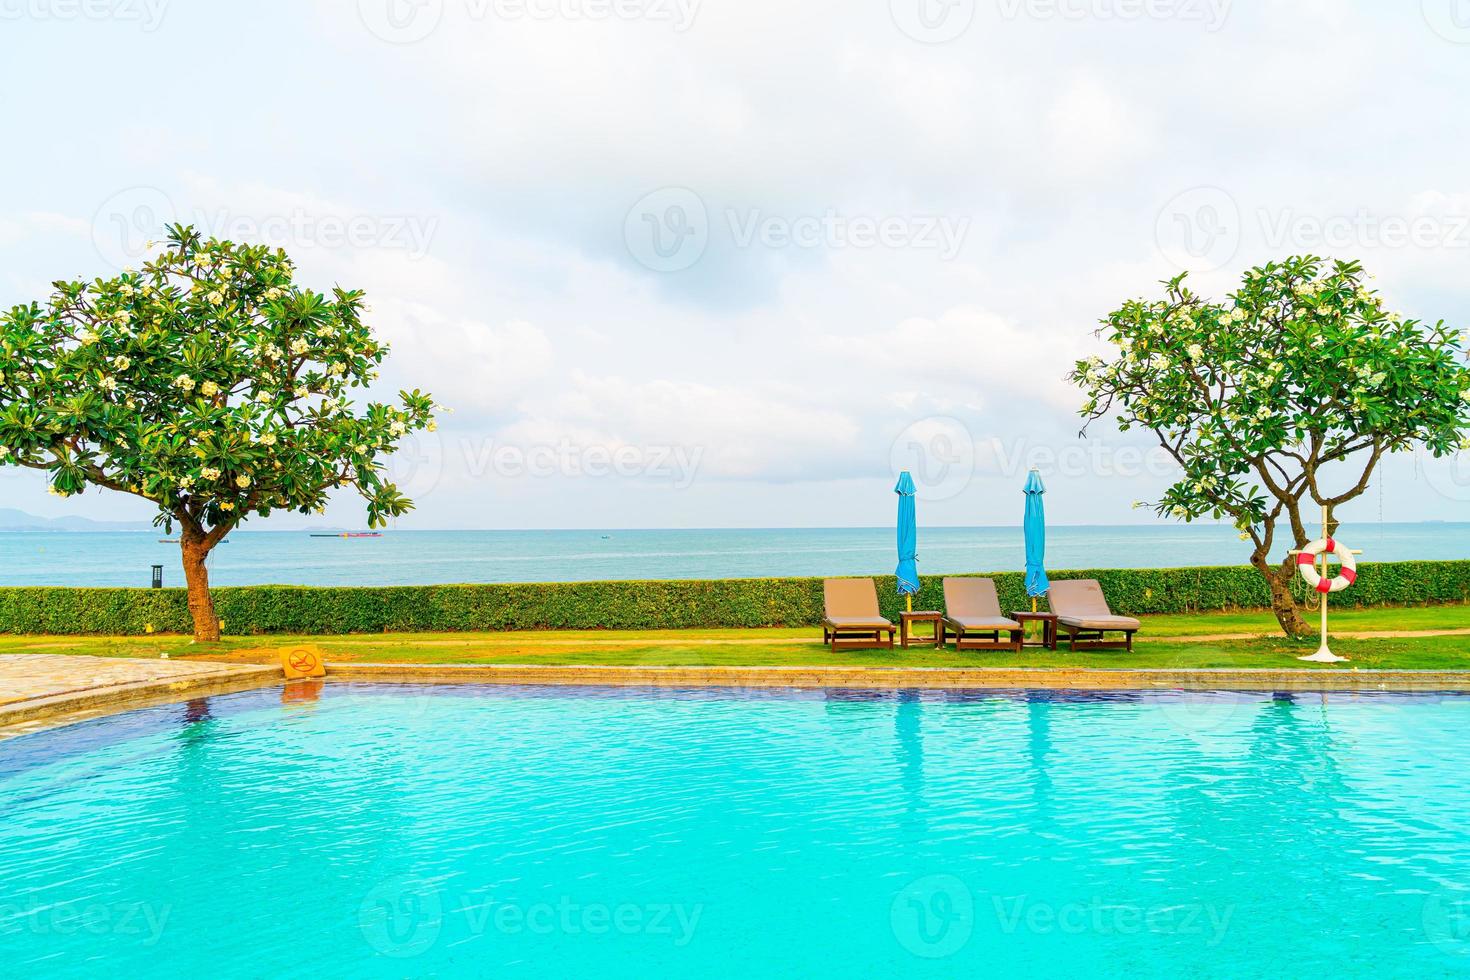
<point>906,620</point>
<point>1048,623</point>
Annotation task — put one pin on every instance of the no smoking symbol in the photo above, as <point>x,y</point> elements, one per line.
<point>302,662</point>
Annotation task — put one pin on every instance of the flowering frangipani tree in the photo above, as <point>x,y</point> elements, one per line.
<point>1299,379</point>
<point>208,383</point>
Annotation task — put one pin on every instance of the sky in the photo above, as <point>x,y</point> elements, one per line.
<point>734,263</point>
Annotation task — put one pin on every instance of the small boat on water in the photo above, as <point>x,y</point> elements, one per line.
<point>351,534</point>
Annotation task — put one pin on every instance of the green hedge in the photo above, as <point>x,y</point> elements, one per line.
<point>651,605</point>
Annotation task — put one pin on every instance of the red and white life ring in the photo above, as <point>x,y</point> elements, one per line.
<point>1306,564</point>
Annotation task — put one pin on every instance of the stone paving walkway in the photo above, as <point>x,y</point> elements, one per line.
<point>27,676</point>
<point>38,690</point>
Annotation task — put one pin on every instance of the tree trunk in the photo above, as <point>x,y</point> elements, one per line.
<point>1283,603</point>
<point>201,603</point>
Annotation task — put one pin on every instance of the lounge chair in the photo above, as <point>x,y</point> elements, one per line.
<point>852,618</point>
<point>1083,614</point>
<point>972,614</point>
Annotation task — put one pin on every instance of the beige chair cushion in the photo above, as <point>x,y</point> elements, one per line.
<point>851,599</point>
<point>972,604</point>
<point>1078,598</point>
<point>857,622</point>
<point>1101,622</point>
<point>983,622</point>
<point>971,598</point>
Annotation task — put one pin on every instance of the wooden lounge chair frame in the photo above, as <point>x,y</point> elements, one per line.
<point>851,619</point>
<point>1080,635</point>
<point>975,599</point>
<point>1095,639</point>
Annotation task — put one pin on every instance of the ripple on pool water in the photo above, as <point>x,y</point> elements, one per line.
<point>387,830</point>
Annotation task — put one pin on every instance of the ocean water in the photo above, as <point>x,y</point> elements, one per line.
<point>434,557</point>
<point>367,831</point>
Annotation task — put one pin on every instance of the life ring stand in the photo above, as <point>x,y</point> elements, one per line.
<point>1306,565</point>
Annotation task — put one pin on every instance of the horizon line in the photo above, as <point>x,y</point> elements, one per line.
<point>527,530</point>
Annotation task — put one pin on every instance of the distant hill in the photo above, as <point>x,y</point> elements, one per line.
<point>19,520</point>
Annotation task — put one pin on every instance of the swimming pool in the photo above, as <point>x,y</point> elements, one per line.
<point>384,830</point>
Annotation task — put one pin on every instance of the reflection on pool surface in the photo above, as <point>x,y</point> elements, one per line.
<point>377,830</point>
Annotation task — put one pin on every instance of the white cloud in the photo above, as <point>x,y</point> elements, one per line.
<point>518,148</point>
<point>476,369</point>
<point>742,433</point>
<point>1093,131</point>
<point>970,350</point>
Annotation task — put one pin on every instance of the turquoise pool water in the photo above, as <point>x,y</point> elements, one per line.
<point>387,831</point>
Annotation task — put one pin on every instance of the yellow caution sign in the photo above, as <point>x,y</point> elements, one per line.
<point>303,661</point>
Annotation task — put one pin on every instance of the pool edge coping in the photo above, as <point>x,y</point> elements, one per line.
<point>70,707</point>
<point>887,678</point>
<point>59,710</point>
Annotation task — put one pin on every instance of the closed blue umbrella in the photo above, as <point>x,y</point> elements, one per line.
<point>908,538</point>
<point>1035,529</point>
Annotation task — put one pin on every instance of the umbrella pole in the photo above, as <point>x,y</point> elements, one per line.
<point>909,600</point>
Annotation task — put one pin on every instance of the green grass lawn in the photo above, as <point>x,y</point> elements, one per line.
<point>1381,619</point>
<point>1164,643</point>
